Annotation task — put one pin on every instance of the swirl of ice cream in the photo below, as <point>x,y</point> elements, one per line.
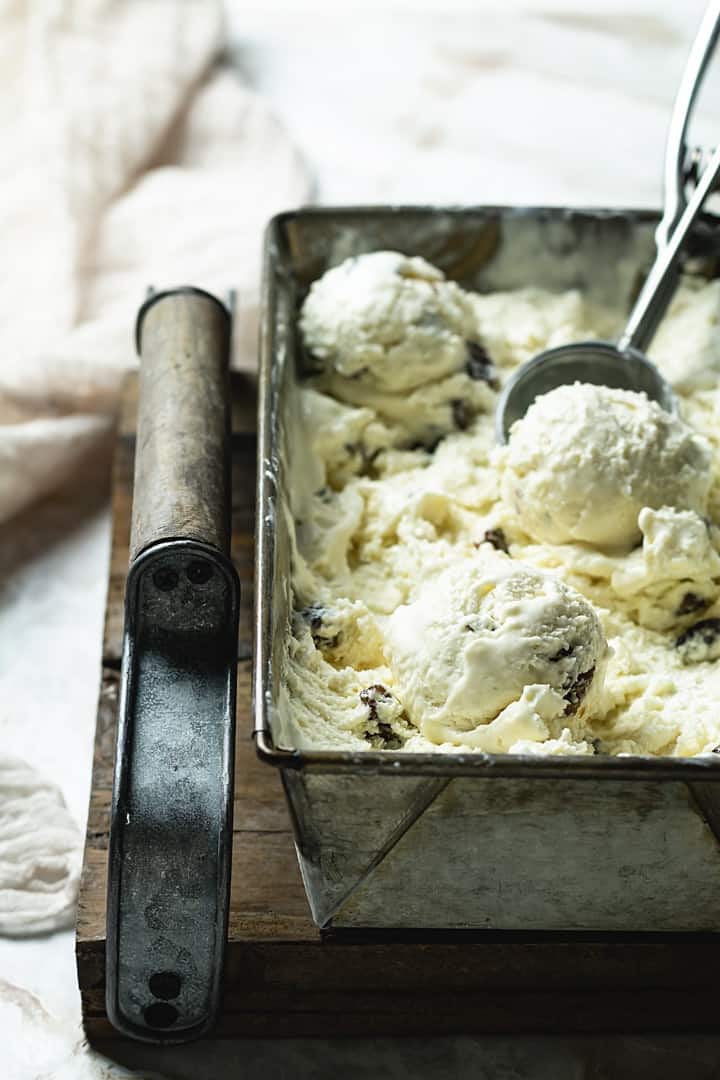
<point>482,632</point>
<point>584,461</point>
<point>391,321</point>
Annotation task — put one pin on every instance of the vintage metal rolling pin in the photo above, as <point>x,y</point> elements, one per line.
<point>171,818</point>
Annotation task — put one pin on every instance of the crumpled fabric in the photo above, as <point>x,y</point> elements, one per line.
<point>40,853</point>
<point>38,1045</point>
<point>130,158</point>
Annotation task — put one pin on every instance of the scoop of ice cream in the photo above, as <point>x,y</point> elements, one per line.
<point>390,321</point>
<point>675,574</point>
<point>584,460</point>
<point>344,440</point>
<point>480,633</point>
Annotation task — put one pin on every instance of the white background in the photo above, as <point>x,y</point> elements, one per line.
<point>530,102</point>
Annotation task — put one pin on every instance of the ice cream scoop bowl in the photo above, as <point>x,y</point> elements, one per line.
<point>624,364</point>
<point>598,362</point>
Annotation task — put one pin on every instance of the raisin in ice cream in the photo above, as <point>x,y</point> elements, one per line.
<point>480,633</point>
<point>452,596</point>
<point>391,332</point>
<point>674,574</point>
<point>584,461</point>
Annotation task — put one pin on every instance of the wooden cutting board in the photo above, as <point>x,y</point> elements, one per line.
<point>283,977</point>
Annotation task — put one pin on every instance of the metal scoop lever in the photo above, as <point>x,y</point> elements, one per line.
<point>171,817</point>
<point>655,294</point>
<point>623,365</point>
<point>680,163</point>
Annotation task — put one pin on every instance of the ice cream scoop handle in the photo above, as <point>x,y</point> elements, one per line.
<point>676,150</point>
<point>660,283</point>
<point>170,845</point>
<point>181,487</point>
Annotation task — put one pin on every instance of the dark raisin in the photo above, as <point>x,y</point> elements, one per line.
<point>691,602</point>
<point>321,639</point>
<point>372,695</point>
<point>384,738</point>
<point>497,538</point>
<point>700,642</point>
<point>429,445</point>
<point>308,365</point>
<point>368,457</point>
<point>577,691</point>
<point>597,746</point>
<point>715,750</point>
<point>390,741</point>
<point>479,366</point>
<point>377,691</point>
<point>461,414</point>
<point>312,615</point>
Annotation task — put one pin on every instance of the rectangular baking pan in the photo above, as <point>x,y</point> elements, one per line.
<point>387,839</point>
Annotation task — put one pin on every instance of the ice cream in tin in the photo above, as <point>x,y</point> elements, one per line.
<point>559,595</point>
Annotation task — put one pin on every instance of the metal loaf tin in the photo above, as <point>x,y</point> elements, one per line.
<point>470,840</point>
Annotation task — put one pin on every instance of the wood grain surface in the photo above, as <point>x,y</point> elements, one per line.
<point>283,978</point>
<point>179,489</point>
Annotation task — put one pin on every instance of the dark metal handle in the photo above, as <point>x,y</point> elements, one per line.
<point>676,153</point>
<point>181,467</point>
<point>171,817</point>
<point>660,284</point>
<point>679,214</point>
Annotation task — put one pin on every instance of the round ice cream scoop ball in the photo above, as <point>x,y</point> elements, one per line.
<point>585,459</point>
<point>596,362</point>
<point>387,319</point>
<point>481,632</point>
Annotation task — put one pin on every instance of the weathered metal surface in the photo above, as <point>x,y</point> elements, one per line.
<point>171,828</point>
<point>338,851</point>
<point>556,855</point>
<point>389,839</point>
<point>171,817</point>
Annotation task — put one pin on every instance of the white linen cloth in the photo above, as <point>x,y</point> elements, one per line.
<point>130,157</point>
<point>40,853</point>
<point>126,162</point>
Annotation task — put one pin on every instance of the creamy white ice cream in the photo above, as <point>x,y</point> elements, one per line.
<point>675,574</point>
<point>584,461</point>
<point>480,633</point>
<point>392,553</point>
<point>389,332</point>
<point>388,320</point>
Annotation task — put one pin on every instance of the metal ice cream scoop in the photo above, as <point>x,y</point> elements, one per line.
<point>623,364</point>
